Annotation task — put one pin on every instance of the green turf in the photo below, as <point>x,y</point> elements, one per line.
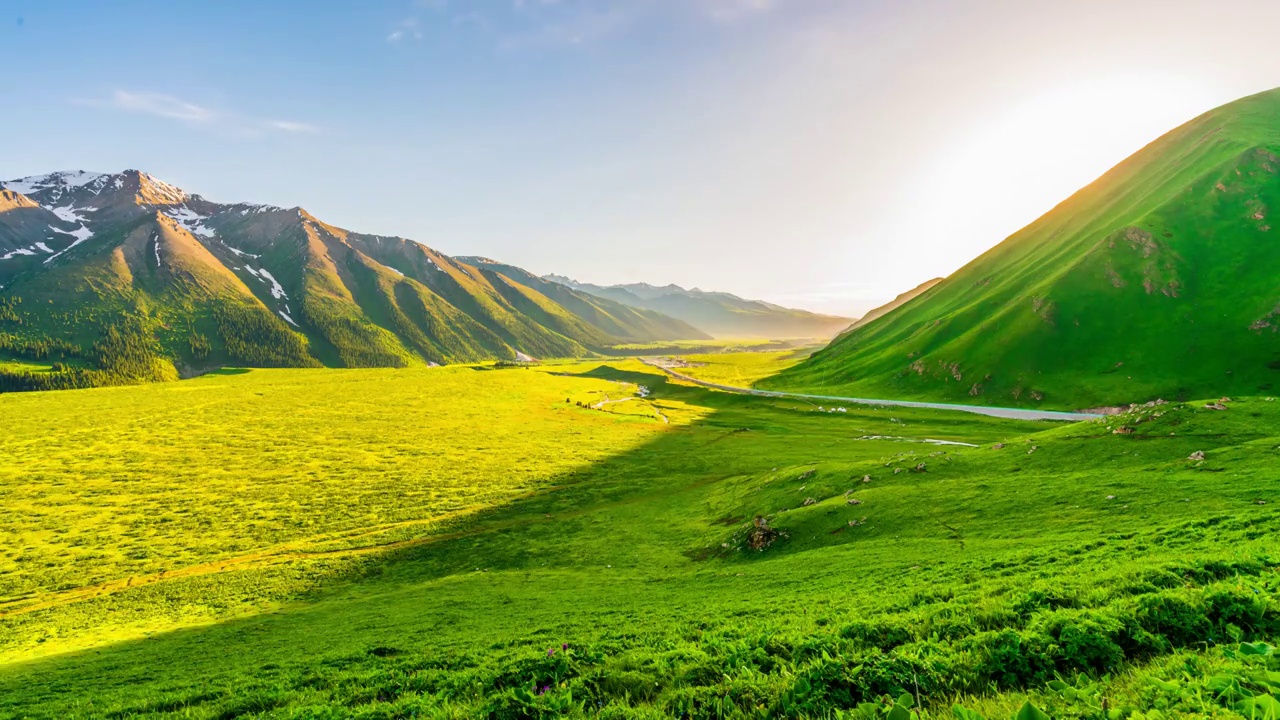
<point>482,543</point>
<point>1155,281</point>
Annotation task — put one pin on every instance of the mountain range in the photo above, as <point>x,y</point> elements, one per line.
<point>721,314</point>
<point>1161,279</point>
<point>123,277</point>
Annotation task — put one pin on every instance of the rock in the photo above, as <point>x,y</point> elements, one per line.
<point>848,492</point>
<point>897,470</point>
<point>866,478</point>
<point>1033,449</point>
<point>1111,497</point>
<point>998,446</point>
<point>1261,502</point>
<point>919,468</point>
<point>1197,455</point>
<point>807,474</point>
<point>1215,406</point>
<point>809,501</point>
<point>761,535</point>
<point>854,501</point>
<point>1225,400</point>
<point>1122,430</point>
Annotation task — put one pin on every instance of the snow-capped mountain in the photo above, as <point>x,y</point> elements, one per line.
<point>189,284</point>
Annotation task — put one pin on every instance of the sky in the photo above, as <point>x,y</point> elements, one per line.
<point>824,154</point>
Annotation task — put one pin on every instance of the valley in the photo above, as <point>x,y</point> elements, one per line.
<point>518,464</point>
<point>479,541</point>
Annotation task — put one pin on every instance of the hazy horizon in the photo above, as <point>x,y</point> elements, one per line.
<point>812,153</point>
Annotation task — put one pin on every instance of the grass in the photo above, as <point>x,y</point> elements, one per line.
<point>725,345</point>
<point>741,369</point>
<point>477,543</point>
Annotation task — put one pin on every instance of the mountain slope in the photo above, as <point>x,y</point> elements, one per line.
<point>618,318</point>
<point>897,302</point>
<point>720,314</point>
<point>1157,280</point>
<point>121,278</point>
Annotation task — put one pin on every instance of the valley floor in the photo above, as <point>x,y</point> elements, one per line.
<point>478,542</point>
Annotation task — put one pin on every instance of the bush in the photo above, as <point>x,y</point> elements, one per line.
<point>1180,622</point>
<point>884,634</point>
<point>1010,660</point>
<point>1085,641</point>
<point>1236,607</point>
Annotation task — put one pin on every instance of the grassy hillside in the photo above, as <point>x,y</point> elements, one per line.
<point>1157,280</point>
<point>897,302</point>
<point>513,543</point>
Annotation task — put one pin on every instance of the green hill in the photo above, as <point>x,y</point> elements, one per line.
<point>724,315</point>
<point>1157,280</point>
<point>107,279</point>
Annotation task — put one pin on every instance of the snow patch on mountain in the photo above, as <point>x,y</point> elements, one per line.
<point>190,220</point>
<point>277,290</point>
<point>238,251</point>
<point>70,214</point>
<point>62,179</point>
<point>18,251</point>
<point>81,233</point>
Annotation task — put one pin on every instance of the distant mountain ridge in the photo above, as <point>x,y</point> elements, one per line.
<point>719,313</point>
<point>123,277</point>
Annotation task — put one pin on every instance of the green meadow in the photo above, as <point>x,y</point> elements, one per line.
<point>537,542</point>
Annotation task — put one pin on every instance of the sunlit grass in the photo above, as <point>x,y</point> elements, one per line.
<point>622,537</point>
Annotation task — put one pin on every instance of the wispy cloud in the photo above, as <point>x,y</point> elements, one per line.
<point>166,106</point>
<point>291,126</point>
<point>197,115</point>
<point>407,29</point>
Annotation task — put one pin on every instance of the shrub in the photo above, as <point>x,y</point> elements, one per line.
<point>1180,622</point>
<point>1010,660</point>
<point>883,634</point>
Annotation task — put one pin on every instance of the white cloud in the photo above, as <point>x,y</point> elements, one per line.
<point>290,126</point>
<point>161,105</point>
<point>407,29</point>
<point>194,114</point>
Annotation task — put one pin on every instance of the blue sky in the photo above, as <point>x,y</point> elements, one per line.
<point>816,153</point>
